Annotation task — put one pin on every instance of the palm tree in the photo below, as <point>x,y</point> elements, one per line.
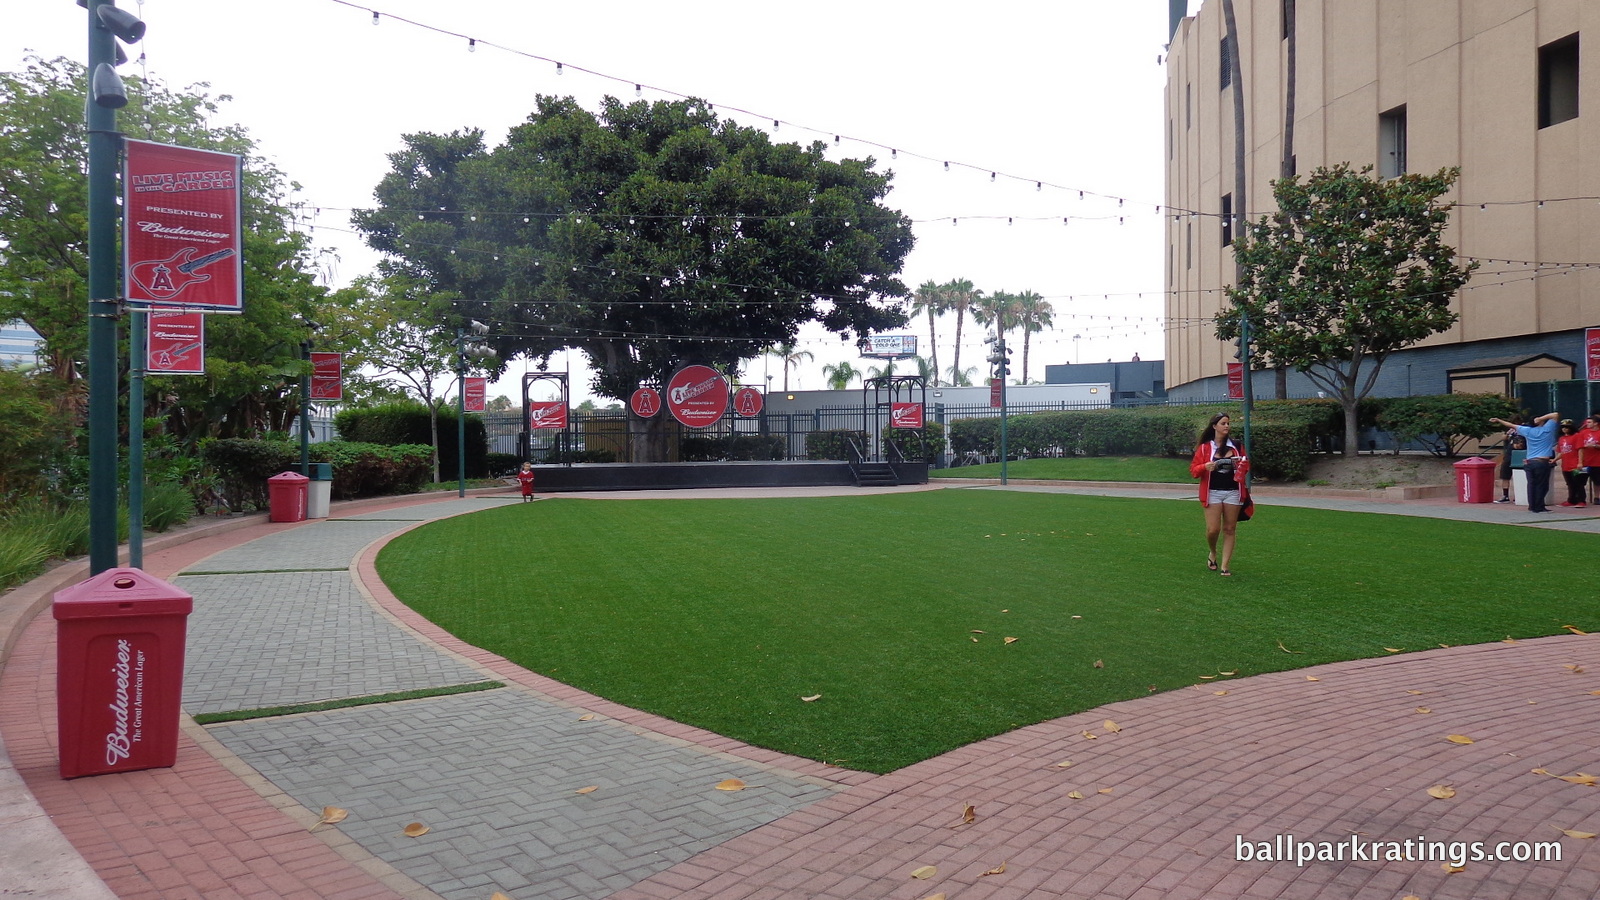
<point>791,358</point>
<point>1034,314</point>
<point>960,297</point>
<point>930,298</point>
<point>962,377</point>
<point>885,372</point>
<point>839,376</point>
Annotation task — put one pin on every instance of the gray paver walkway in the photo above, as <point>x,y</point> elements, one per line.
<point>318,545</point>
<point>280,638</point>
<point>494,775</point>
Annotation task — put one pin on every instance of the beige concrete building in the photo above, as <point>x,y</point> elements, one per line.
<point>1497,87</point>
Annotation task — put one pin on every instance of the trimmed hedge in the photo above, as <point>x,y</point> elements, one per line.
<point>918,444</point>
<point>359,469</point>
<point>1283,433</point>
<point>697,448</point>
<point>393,424</point>
<point>832,444</point>
<point>1443,422</point>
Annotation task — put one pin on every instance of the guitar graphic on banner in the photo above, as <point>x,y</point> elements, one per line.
<point>167,278</point>
<point>166,359</point>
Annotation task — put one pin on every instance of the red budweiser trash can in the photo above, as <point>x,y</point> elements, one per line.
<point>1475,480</point>
<point>286,497</point>
<point>119,672</point>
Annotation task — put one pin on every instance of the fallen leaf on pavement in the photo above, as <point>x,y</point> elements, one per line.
<point>1111,726</point>
<point>1090,735</point>
<point>924,872</point>
<point>587,790</point>
<point>332,815</point>
<point>969,814</point>
<point>416,829</point>
<point>732,784</point>
<point>1580,778</point>
<point>587,718</point>
<point>1064,764</point>
<point>1441,792</point>
<point>1424,710</point>
<point>1220,693</point>
<point>1574,629</point>
<point>1075,795</point>
<point>997,870</point>
<point>1105,790</point>
<point>1312,678</point>
<point>1582,835</point>
<point>1458,739</point>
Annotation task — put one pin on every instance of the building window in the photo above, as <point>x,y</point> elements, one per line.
<point>1227,64</point>
<point>1392,143</point>
<point>1227,219</point>
<point>1558,81</point>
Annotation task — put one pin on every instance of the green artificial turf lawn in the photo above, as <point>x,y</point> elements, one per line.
<point>724,613</point>
<point>1087,468</point>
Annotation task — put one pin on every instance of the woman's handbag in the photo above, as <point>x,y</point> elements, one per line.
<point>1249,507</point>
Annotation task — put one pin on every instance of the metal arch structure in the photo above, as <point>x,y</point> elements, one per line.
<point>882,393</point>
<point>563,435</point>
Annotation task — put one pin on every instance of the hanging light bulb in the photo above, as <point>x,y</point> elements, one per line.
<point>638,90</point>
<point>472,45</point>
<point>947,165</point>
<point>374,17</point>
<point>558,68</point>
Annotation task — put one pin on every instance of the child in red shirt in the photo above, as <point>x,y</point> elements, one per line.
<point>525,480</point>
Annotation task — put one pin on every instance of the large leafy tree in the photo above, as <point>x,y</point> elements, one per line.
<point>251,359</point>
<point>647,236</point>
<point>1348,269</point>
<point>397,334</point>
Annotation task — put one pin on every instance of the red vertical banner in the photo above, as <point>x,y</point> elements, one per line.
<point>476,395</point>
<point>175,343</point>
<point>1591,352</point>
<point>327,376</point>
<point>996,388</point>
<point>905,415</point>
<point>182,234</point>
<point>1235,381</point>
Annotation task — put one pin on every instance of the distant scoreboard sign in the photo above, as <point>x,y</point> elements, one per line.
<point>891,346</point>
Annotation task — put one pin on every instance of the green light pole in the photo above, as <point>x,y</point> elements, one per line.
<point>106,96</point>
<point>461,412</point>
<point>139,321</point>
<point>305,407</point>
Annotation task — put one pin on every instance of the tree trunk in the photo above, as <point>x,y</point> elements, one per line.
<point>433,425</point>
<point>1281,376</point>
<point>955,366</point>
<point>1352,433</point>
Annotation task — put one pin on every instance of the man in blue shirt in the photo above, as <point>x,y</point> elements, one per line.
<point>1541,457</point>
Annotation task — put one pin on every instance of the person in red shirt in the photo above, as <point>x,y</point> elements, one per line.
<point>525,481</point>
<point>1589,454</point>
<point>1221,466</point>
<point>1567,453</point>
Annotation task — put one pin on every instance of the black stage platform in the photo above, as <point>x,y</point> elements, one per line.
<point>673,476</point>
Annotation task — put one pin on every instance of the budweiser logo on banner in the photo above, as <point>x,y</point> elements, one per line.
<point>905,415</point>
<point>182,243</point>
<point>697,396</point>
<point>547,415</point>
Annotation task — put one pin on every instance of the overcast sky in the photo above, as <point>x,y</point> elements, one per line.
<point>1067,93</point>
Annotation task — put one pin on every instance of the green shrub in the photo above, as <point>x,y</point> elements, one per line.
<point>917,444</point>
<point>166,504</point>
<point>407,422</point>
<point>502,464</point>
<point>243,466</point>
<point>595,456</point>
<point>833,444</point>
<point>1441,422</point>
<point>370,470</point>
<point>22,555</point>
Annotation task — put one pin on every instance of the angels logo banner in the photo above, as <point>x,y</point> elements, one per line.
<point>905,415</point>
<point>175,343</point>
<point>182,241</point>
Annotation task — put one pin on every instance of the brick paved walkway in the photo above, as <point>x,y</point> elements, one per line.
<point>1164,800</point>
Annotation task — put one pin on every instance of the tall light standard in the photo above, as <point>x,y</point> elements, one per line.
<point>305,398</point>
<point>462,350</point>
<point>106,96</point>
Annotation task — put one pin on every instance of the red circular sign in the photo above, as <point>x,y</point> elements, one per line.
<point>747,402</point>
<point>645,402</point>
<point>697,396</point>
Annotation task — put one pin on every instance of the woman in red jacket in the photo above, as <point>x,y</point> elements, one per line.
<point>1220,464</point>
